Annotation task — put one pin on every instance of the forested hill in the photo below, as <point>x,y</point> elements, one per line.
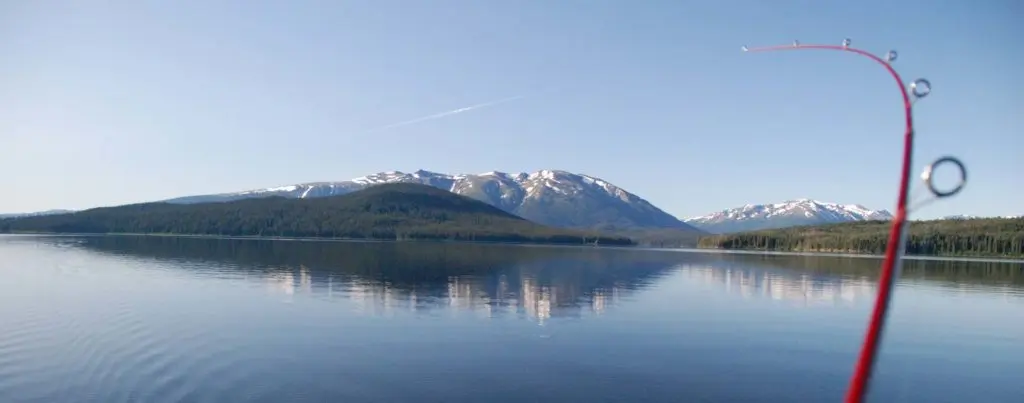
<point>994,237</point>
<point>392,211</point>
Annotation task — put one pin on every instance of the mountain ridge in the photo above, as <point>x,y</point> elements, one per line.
<point>551,197</point>
<point>36,213</point>
<point>398,211</point>
<point>789,213</point>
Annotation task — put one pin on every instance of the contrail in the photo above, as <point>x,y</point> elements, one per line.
<point>448,113</point>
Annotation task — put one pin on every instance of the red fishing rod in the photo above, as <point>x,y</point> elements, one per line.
<point>896,245</point>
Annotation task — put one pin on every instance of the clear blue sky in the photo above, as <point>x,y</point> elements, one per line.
<point>106,103</point>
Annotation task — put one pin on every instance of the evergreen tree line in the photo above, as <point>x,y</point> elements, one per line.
<point>996,237</point>
<point>388,212</point>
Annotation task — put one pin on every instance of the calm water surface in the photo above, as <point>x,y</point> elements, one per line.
<point>159,319</point>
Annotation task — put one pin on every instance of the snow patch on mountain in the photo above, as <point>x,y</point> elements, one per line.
<point>551,197</point>
<point>977,217</point>
<point>789,213</point>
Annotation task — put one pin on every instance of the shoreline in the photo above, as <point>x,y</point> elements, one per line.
<point>314,239</point>
<point>847,255</point>
<point>626,247</point>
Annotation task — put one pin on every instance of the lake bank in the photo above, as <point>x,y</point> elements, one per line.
<point>631,247</point>
<point>850,255</point>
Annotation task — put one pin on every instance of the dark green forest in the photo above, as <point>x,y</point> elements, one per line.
<point>388,212</point>
<point>658,237</point>
<point>994,237</point>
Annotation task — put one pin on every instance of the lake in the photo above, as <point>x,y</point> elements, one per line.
<point>164,319</point>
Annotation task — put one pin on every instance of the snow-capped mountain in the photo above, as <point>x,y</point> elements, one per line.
<point>550,197</point>
<point>786,214</point>
<point>962,217</point>
<point>976,217</point>
<point>38,213</point>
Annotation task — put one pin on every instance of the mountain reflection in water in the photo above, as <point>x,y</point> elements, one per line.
<point>155,318</point>
<point>537,282</point>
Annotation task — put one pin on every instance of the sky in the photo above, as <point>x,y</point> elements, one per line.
<point>114,102</point>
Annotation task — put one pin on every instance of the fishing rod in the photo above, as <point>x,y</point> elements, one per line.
<point>896,246</point>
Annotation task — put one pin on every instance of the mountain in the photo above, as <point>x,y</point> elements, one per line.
<point>549,197</point>
<point>975,217</point>
<point>959,217</point>
<point>395,211</point>
<point>791,213</point>
<point>988,237</point>
<point>38,213</point>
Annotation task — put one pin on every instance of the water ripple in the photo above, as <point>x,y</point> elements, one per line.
<point>162,320</point>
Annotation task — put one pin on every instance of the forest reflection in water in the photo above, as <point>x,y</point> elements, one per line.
<point>538,282</point>
<point>159,318</point>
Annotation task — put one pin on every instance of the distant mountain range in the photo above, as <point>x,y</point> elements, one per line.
<point>790,213</point>
<point>571,200</point>
<point>975,217</point>
<point>38,213</point>
<point>549,197</point>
